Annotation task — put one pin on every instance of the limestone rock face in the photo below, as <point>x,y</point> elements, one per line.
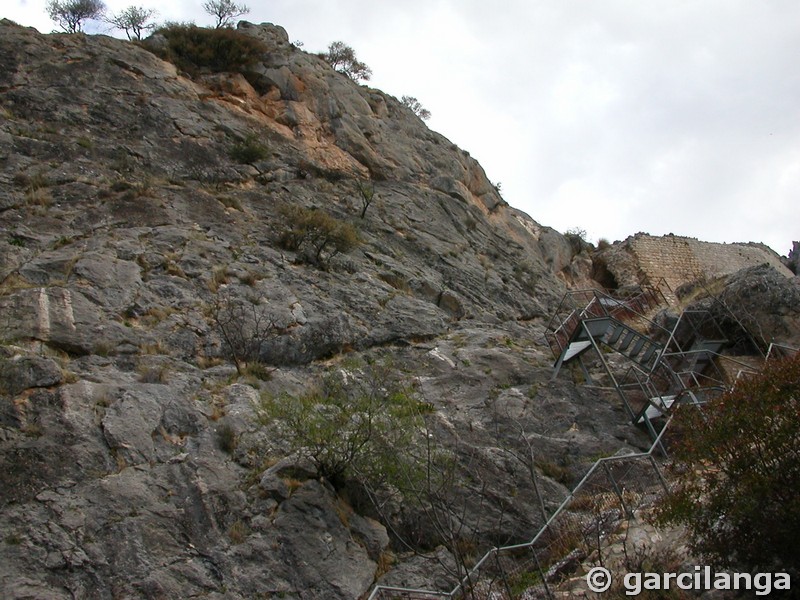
<point>763,300</point>
<point>136,460</point>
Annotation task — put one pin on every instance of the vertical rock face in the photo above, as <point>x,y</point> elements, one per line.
<point>134,464</point>
<point>140,209</point>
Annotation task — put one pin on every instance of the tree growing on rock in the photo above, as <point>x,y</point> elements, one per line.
<point>366,193</point>
<point>317,235</point>
<point>343,59</point>
<point>134,21</point>
<point>355,424</point>
<point>371,435</point>
<point>243,325</point>
<point>70,15</point>
<point>416,106</point>
<point>225,11</point>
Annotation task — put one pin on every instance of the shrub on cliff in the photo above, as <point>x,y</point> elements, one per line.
<point>416,106</point>
<point>249,150</point>
<point>355,424</point>
<point>370,434</point>
<point>738,472</point>
<point>316,235</point>
<point>197,49</point>
<point>243,325</point>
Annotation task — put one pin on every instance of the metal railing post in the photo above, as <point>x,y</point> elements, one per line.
<point>542,574</point>
<point>503,575</point>
<point>617,491</point>
<point>658,473</point>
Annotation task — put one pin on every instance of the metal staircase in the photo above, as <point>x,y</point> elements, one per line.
<point>666,366</point>
<point>614,334</point>
<point>586,314</point>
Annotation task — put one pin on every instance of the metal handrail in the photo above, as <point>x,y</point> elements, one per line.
<point>781,348</point>
<point>596,303</point>
<point>470,576</point>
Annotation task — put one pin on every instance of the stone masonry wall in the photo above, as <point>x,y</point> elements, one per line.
<point>681,260</point>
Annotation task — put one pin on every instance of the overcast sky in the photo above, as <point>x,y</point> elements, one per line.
<point>612,116</point>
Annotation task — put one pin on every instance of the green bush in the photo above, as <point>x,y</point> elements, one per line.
<point>226,438</point>
<point>738,473</point>
<point>249,150</point>
<point>358,425</point>
<point>555,471</point>
<point>198,49</point>
<point>317,234</point>
<point>603,244</point>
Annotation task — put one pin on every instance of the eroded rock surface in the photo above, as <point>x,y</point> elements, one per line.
<point>134,462</point>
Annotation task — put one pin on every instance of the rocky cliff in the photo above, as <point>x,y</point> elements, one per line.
<point>144,209</point>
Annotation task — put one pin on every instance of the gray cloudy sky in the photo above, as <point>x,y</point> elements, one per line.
<point>613,116</point>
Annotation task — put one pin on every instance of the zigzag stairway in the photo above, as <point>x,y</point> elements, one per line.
<point>652,365</point>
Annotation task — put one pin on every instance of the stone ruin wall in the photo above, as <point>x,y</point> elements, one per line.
<point>678,260</point>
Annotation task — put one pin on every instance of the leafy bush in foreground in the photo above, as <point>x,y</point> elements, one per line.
<point>739,471</point>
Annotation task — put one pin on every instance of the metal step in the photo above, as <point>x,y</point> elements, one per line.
<point>652,411</point>
<point>574,349</point>
<point>614,334</point>
<point>637,347</point>
<point>626,341</point>
<point>597,328</point>
<point>616,331</point>
<point>648,355</point>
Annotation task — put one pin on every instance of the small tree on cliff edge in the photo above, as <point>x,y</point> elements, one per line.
<point>225,11</point>
<point>71,14</point>
<point>343,59</point>
<point>134,21</point>
<point>738,471</point>
<point>416,106</point>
